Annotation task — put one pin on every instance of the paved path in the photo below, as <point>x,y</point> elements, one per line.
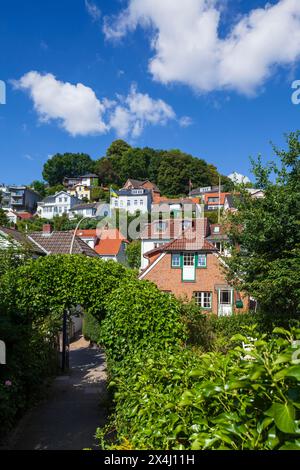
<point>69,417</point>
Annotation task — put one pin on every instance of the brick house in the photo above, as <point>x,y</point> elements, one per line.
<point>191,267</point>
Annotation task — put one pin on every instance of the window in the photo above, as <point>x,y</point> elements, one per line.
<point>188,259</point>
<point>202,261</point>
<point>176,260</point>
<point>66,199</point>
<point>213,199</point>
<point>116,202</point>
<point>60,199</point>
<point>137,191</point>
<point>161,226</point>
<point>203,299</point>
<point>225,297</point>
<point>141,202</point>
<point>135,202</point>
<point>216,229</point>
<point>128,202</point>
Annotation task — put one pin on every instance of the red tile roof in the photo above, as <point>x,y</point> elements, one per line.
<point>109,241</point>
<point>24,215</point>
<point>86,233</point>
<point>206,197</point>
<point>108,247</point>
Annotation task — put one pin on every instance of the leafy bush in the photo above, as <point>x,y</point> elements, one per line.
<point>178,400</point>
<point>139,314</point>
<point>91,328</point>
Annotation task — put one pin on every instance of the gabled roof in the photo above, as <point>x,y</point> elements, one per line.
<point>87,233</point>
<point>206,196</point>
<point>108,247</point>
<point>186,244</point>
<point>136,184</point>
<point>109,241</point>
<point>87,205</point>
<point>22,240</point>
<point>60,243</point>
<point>89,175</point>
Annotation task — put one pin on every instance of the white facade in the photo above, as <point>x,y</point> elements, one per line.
<point>59,204</point>
<point>132,200</point>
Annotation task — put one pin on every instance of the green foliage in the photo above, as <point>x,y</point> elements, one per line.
<point>133,252</point>
<point>39,187</point>
<point>3,219</point>
<point>172,170</point>
<point>212,216</point>
<point>244,400</point>
<point>268,232</point>
<point>98,194</point>
<point>66,165</point>
<point>138,314</point>
<point>91,328</point>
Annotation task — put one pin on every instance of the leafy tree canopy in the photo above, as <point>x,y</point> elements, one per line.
<point>267,231</point>
<point>171,170</point>
<point>67,165</point>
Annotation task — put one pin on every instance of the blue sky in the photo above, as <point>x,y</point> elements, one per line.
<point>229,113</point>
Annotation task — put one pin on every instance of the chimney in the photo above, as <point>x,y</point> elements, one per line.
<point>47,230</point>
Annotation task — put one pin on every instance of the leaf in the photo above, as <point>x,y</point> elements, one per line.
<point>283,358</point>
<point>295,445</point>
<point>281,331</point>
<point>293,371</point>
<point>264,424</point>
<point>284,416</point>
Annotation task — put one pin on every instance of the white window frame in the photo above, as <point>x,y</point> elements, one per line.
<point>203,299</point>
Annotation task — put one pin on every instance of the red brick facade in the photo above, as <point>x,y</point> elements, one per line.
<point>207,279</point>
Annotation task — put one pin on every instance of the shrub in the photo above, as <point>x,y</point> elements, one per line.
<point>238,401</point>
<point>91,328</point>
<point>139,315</point>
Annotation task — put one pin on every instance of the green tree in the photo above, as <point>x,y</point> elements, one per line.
<point>39,187</point>
<point>3,218</point>
<point>267,234</point>
<point>133,252</point>
<point>67,165</point>
<point>117,148</point>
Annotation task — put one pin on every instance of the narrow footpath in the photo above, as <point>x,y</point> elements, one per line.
<point>73,410</point>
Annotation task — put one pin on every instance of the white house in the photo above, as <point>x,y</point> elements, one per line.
<point>59,204</point>
<point>96,209</point>
<point>132,200</point>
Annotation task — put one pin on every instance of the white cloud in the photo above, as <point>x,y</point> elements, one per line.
<point>29,157</point>
<point>238,178</point>
<point>188,48</point>
<point>76,107</point>
<point>93,10</point>
<point>185,121</point>
<point>80,112</point>
<point>138,110</point>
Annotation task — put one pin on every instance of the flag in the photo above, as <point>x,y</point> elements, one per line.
<point>113,193</point>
